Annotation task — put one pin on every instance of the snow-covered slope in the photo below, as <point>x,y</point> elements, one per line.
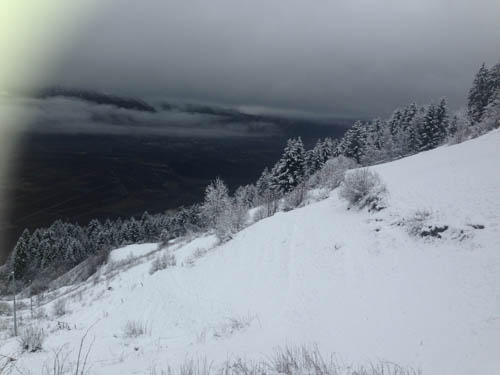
<point>356,283</point>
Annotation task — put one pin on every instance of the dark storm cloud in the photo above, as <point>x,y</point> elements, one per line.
<point>69,116</point>
<point>355,57</point>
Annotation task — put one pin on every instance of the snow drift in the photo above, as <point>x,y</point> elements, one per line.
<point>365,286</point>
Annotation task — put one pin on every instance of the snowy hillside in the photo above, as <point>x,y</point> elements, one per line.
<point>355,283</point>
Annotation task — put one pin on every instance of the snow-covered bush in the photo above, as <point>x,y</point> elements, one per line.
<point>294,198</point>
<point>39,313</point>
<point>216,202</point>
<point>31,338</point>
<point>166,260</point>
<point>332,173</point>
<point>224,227</point>
<point>416,223</point>
<point>5,308</point>
<point>259,214</point>
<point>233,325</point>
<point>164,238</point>
<point>59,307</point>
<point>197,254</point>
<point>134,328</point>
<point>362,188</point>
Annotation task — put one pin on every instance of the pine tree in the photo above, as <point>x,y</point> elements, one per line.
<point>353,143</point>
<point>21,254</point>
<point>290,169</point>
<point>494,81</point>
<point>491,116</point>
<point>395,121</point>
<point>134,231</point>
<point>443,119</point>
<point>93,230</point>
<point>329,150</point>
<point>148,227</point>
<point>311,160</point>
<point>263,184</point>
<point>479,94</point>
<point>267,196</point>
<point>432,132</point>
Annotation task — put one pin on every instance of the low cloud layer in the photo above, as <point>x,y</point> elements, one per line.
<point>61,115</point>
<point>347,58</point>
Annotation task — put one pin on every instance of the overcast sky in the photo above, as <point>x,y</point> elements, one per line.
<point>343,57</point>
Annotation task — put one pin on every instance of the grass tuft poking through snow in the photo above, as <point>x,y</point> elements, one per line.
<point>286,361</point>
<point>32,338</point>
<point>134,328</point>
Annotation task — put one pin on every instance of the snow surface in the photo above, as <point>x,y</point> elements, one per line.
<point>356,283</point>
<point>132,251</point>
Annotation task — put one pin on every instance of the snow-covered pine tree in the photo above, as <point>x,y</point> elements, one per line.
<point>21,254</point>
<point>263,184</point>
<point>442,114</point>
<point>267,196</point>
<point>290,169</point>
<point>93,229</point>
<point>148,227</point>
<point>491,115</point>
<point>352,144</point>
<point>34,246</point>
<point>75,252</point>
<point>216,202</point>
<point>429,131</point>
<point>413,140</point>
<point>134,231</point>
<point>479,94</point>
<point>329,149</point>
<point>494,81</point>
<point>246,195</point>
<point>408,136</point>
<point>372,142</point>
<point>395,121</point>
<point>312,159</point>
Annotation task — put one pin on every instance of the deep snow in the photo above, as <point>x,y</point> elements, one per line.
<point>356,283</point>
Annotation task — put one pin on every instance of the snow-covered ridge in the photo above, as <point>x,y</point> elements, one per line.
<point>355,283</point>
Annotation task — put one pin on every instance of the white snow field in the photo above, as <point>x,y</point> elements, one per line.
<point>355,283</point>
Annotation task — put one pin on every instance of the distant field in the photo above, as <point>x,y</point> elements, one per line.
<point>80,177</point>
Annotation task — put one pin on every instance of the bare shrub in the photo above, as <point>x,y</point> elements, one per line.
<point>197,254</point>
<point>8,364</point>
<point>60,365</point>
<point>233,325</point>
<point>59,307</point>
<point>161,262</point>
<point>134,328</point>
<point>362,188</point>
<point>31,338</point>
